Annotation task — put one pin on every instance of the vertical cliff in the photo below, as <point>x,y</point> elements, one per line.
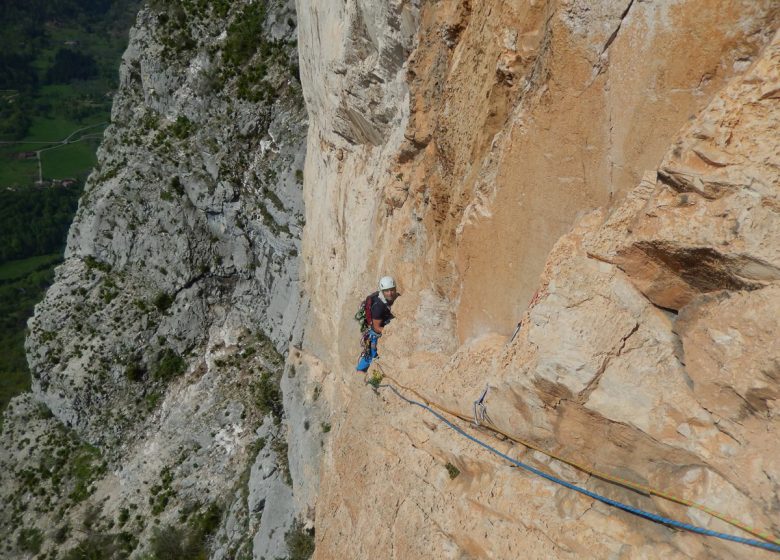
<point>605,172</point>
<point>156,415</point>
<point>509,121</point>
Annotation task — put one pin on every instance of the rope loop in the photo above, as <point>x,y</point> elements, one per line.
<point>481,419</point>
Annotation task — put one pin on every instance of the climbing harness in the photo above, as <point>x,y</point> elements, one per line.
<point>368,354</point>
<point>486,423</point>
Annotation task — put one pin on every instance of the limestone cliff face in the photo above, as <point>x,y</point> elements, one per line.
<point>194,361</point>
<point>191,220</point>
<point>648,352</point>
<point>157,350</point>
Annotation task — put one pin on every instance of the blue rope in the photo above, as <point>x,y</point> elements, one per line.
<point>604,499</point>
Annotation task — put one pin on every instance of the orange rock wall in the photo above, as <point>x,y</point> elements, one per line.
<point>459,170</point>
<point>531,112</point>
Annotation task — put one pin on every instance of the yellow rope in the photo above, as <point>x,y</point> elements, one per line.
<point>589,470</point>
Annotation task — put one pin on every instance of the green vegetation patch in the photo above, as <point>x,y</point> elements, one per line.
<point>169,365</point>
<point>49,129</point>
<point>173,26</point>
<point>163,301</point>
<point>94,264</point>
<point>35,221</point>
<point>15,118</point>
<point>162,493</point>
<point>242,41</point>
<point>135,370</point>
<point>66,469</point>
<point>299,541</point>
<point>86,466</point>
<point>16,168</point>
<point>190,541</point>
<point>375,380</point>
<point>262,65</point>
<point>268,396</point>
<point>13,270</point>
<point>58,70</point>
<point>70,65</point>
<point>22,286</point>
<point>103,546</point>
<point>69,161</point>
<point>182,128</point>
<point>30,540</point>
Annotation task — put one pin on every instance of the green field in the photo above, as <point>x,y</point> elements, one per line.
<point>50,129</point>
<point>71,160</point>
<point>74,160</point>
<point>13,270</point>
<point>17,173</point>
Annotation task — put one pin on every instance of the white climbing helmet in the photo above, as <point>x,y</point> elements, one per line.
<point>386,283</point>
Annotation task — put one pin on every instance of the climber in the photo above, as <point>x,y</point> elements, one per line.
<point>374,313</point>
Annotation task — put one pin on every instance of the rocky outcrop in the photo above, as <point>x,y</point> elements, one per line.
<point>158,346</point>
<point>632,357</point>
<point>193,216</point>
<point>194,390</point>
<point>519,118</point>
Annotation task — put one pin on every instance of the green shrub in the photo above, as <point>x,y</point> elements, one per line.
<point>189,542</point>
<point>452,470</point>
<point>152,399</point>
<point>268,396</point>
<point>163,301</point>
<point>30,540</point>
<point>150,120</point>
<point>375,380</point>
<point>93,263</point>
<point>103,547</point>
<point>62,533</point>
<point>176,186</point>
<point>182,128</point>
<point>162,493</point>
<point>86,466</point>
<point>242,43</point>
<point>300,542</point>
<point>173,542</point>
<point>207,522</point>
<point>169,365</point>
<point>135,371</point>
<point>173,24</point>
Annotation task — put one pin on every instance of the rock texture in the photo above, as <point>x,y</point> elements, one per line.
<point>157,350</point>
<point>194,385</point>
<point>647,352</point>
<point>519,117</point>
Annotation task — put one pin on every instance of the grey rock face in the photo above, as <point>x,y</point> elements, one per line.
<point>160,341</point>
<point>191,220</point>
<point>357,68</point>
